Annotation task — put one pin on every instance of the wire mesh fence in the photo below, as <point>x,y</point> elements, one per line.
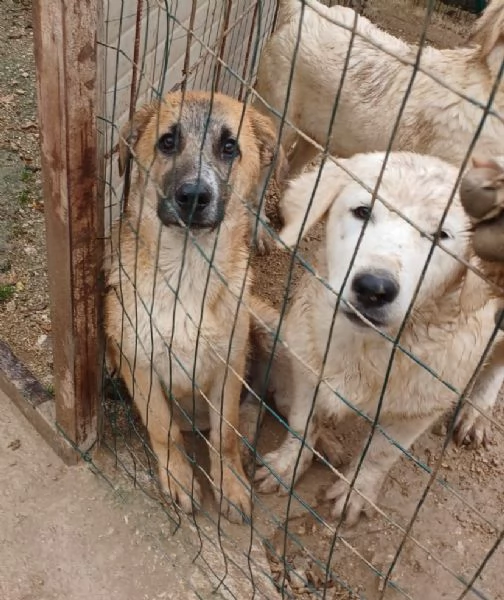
<point>367,321</point>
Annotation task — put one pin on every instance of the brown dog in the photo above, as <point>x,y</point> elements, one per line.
<point>177,330</point>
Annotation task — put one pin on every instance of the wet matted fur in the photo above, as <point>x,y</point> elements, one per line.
<point>436,119</point>
<point>450,323</point>
<point>177,330</point>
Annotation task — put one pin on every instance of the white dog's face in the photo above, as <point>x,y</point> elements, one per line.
<point>392,254</point>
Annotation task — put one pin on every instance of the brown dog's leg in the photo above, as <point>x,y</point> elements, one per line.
<point>226,464</point>
<point>175,473</point>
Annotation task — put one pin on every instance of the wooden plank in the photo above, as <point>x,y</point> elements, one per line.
<point>69,100</point>
<point>37,405</point>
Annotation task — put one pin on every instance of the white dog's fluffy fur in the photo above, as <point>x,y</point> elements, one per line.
<point>450,324</point>
<point>435,121</point>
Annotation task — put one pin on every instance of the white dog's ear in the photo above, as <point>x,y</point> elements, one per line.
<point>297,214</point>
<point>488,31</point>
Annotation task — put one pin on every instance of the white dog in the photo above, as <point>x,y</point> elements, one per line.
<point>436,119</point>
<point>447,329</point>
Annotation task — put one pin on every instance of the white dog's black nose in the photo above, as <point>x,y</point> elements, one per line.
<point>375,289</point>
<point>193,197</point>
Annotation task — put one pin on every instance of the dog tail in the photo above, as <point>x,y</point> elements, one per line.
<point>287,10</point>
<point>488,31</point>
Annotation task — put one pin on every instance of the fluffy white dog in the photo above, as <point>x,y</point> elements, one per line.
<point>441,315</point>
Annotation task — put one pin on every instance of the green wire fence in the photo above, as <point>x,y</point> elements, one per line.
<point>289,548</point>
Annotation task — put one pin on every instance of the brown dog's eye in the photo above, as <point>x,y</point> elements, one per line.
<point>230,148</point>
<point>361,212</point>
<point>167,143</point>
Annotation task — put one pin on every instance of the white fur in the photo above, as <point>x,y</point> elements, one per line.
<point>435,121</point>
<point>447,330</point>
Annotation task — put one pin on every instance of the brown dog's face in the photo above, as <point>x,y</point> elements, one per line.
<point>195,158</point>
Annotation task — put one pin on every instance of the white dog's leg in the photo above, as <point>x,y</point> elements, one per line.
<point>281,463</point>
<point>303,153</point>
<point>380,457</point>
<point>472,428</point>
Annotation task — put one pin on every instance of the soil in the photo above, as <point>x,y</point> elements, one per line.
<point>24,304</point>
<point>66,535</point>
<point>462,515</point>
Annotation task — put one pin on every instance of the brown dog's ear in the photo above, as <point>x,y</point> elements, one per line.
<point>295,204</point>
<point>267,137</point>
<point>130,132</point>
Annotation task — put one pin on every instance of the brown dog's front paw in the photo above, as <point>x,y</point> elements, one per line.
<point>263,240</point>
<point>181,485</point>
<point>233,496</point>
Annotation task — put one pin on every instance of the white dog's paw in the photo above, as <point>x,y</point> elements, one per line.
<point>471,428</point>
<point>286,240</point>
<point>281,467</point>
<point>356,505</point>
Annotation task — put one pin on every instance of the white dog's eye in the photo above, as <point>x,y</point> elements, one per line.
<point>361,212</point>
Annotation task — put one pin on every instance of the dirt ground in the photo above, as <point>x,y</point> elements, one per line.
<point>24,304</point>
<point>65,534</point>
<point>461,517</point>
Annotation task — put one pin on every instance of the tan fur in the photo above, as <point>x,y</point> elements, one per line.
<point>435,120</point>
<point>441,332</point>
<point>152,336</point>
<point>269,146</point>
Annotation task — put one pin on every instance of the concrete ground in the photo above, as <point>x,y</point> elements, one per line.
<point>65,534</point>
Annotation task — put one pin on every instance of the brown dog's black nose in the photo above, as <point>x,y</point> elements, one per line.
<point>192,198</point>
<point>375,289</point>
